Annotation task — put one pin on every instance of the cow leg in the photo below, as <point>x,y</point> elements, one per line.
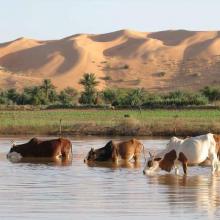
<point>115,159</point>
<point>57,154</point>
<point>182,158</point>
<point>176,170</point>
<point>66,151</point>
<point>138,152</point>
<point>184,168</point>
<point>214,161</point>
<point>214,166</point>
<point>137,157</point>
<point>114,156</point>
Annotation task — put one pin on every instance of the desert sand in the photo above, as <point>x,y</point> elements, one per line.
<point>164,61</point>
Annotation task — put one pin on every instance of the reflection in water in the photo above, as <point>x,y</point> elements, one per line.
<point>53,190</point>
<point>199,193</point>
<point>47,161</point>
<point>40,160</point>
<point>120,164</point>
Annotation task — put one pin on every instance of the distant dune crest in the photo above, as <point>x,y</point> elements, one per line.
<point>165,60</point>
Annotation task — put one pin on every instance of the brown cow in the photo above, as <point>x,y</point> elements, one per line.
<point>112,151</point>
<point>35,148</point>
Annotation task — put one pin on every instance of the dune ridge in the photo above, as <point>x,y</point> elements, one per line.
<point>164,61</point>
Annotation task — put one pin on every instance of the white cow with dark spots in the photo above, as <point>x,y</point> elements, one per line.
<point>189,151</point>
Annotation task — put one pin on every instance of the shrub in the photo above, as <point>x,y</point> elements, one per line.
<point>68,96</point>
<point>212,93</point>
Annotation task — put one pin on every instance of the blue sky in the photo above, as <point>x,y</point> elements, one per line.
<point>54,19</point>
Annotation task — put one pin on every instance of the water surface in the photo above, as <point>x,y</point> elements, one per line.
<point>77,191</point>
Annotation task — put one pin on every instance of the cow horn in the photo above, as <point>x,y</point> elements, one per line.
<point>12,143</point>
<point>150,154</point>
<point>92,149</point>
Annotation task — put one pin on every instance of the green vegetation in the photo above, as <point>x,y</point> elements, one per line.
<point>212,93</point>
<point>101,114</point>
<point>44,94</point>
<point>111,122</point>
<point>89,95</point>
<point>68,95</point>
<point>47,95</point>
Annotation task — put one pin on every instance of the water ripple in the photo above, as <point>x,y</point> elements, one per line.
<point>52,191</point>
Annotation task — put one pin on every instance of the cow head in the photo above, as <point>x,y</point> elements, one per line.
<point>91,156</point>
<point>165,163</point>
<point>152,164</point>
<point>13,154</point>
<point>13,146</point>
<point>105,153</point>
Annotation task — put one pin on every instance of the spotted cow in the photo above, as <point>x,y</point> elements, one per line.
<point>189,151</point>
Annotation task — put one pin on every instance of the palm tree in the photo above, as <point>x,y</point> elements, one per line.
<point>89,83</point>
<point>47,86</point>
<point>136,97</point>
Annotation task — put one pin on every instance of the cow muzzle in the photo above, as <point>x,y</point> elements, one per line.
<point>14,157</point>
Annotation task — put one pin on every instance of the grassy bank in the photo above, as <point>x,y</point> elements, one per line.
<point>110,122</point>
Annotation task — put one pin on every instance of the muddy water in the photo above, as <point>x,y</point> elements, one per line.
<point>45,190</point>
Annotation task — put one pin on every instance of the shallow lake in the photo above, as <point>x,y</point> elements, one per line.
<point>78,191</point>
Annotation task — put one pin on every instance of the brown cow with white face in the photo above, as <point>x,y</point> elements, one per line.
<point>35,148</point>
<point>126,150</point>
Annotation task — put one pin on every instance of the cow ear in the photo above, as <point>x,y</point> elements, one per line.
<point>151,155</point>
<point>13,143</point>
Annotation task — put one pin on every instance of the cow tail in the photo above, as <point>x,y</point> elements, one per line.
<point>71,148</point>
<point>144,153</point>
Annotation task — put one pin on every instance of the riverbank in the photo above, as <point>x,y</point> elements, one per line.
<point>110,122</point>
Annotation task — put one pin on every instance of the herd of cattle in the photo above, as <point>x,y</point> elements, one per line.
<point>184,152</point>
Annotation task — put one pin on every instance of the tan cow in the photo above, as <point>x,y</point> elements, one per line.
<point>126,150</point>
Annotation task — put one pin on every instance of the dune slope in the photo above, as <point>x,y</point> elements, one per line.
<point>164,61</point>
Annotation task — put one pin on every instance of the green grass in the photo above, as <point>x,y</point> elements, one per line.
<point>101,122</point>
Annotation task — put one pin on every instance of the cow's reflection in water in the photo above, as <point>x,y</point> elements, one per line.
<point>46,161</point>
<point>197,192</point>
<point>112,165</point>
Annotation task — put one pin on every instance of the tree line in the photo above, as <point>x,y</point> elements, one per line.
<point>46,94</point>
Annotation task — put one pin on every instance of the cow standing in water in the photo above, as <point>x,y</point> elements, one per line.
<point>126,150</point>
<point>35,148</point>
<point>189,151</point>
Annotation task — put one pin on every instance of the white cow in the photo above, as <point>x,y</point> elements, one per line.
<point>189,151</point>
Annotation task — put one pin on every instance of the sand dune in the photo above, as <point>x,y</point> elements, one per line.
<point>164,61</point>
